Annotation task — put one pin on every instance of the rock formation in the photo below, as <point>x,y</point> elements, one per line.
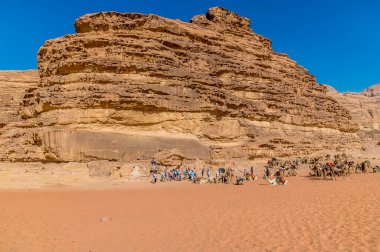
<point>365,110</point>
<point>128,86</point>
<point>14,85</point>
<point>373,91</point>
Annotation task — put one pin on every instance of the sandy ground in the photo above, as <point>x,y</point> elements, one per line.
<point>51,175</point>
<point>307,215</point>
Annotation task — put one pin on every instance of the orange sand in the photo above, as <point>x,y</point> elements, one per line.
<point>307,215</point>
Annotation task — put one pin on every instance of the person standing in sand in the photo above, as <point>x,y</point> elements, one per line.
<point>154,177</point>
<point>252,171</point>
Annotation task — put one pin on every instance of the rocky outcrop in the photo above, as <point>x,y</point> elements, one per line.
<point>372,91</point>
<point>14,86</point>
<point>129,86</point>
<point>365,110</point>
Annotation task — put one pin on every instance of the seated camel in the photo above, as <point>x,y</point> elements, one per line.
<point>277,181</point>
<point>250,177</point>
<point>363,166</point>
<point>200,180</point>
<point>376,169</point>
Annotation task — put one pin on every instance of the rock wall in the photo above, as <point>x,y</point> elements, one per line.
<point>372,91</point>
<point>129,86</point>
<point>15,88</point>
<point>14,85</point>
<point>365,110</point>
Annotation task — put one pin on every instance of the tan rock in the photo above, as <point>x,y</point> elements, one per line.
<point>365,110</point>
<point>372,91</point>
<point>14,87</point>
<point>128,86</point>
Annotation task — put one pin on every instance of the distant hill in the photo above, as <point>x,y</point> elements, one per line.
<point>372,90</point>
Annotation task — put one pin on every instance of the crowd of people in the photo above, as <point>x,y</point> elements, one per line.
<point>275,171</point>
<point>194,175</point>
<point>177,174</point>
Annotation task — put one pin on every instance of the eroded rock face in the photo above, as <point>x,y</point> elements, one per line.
<point>128,86</point>
<point>365,110</point>
<point>14,86</point>
<point>373,91</point>
<point>14,140</point>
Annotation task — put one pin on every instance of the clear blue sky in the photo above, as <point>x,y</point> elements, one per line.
<point>338,41</point>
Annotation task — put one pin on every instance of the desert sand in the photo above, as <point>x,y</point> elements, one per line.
<point>307,215</point>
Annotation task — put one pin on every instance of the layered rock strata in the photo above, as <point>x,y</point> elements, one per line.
<point>365,110</point>
<point>14,85</point>
<point>373,91</point>
<point>128,86</point>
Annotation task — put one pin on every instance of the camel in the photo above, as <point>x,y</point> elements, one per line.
<point>277,181</point>
<point>324,170</point>
<point>317,170</point>
<point>357,168</point>
<point>227,176</point>
<point>351,167</point>
<point>330,170</point>
<point>250,177</point>
<point>366,166</point>
<point>376,169</point>
<point>341,169</point>
<point>200,180</point>
<point>363,166</point>
<point>292,169</point>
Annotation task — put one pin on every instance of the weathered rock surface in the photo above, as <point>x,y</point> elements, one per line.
<point>129,86</point>
<point>14,85</point>
<point>372,91</point>
<point>365,110</point>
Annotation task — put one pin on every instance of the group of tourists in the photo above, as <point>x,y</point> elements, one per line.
<point>275,171</point>
<point>177,174</point>
<point>203,175</point>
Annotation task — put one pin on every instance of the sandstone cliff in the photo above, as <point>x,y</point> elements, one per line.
<point>130,86</point>
<point>14,85</point>
<point>373,91</point>
<point>365,110</point>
